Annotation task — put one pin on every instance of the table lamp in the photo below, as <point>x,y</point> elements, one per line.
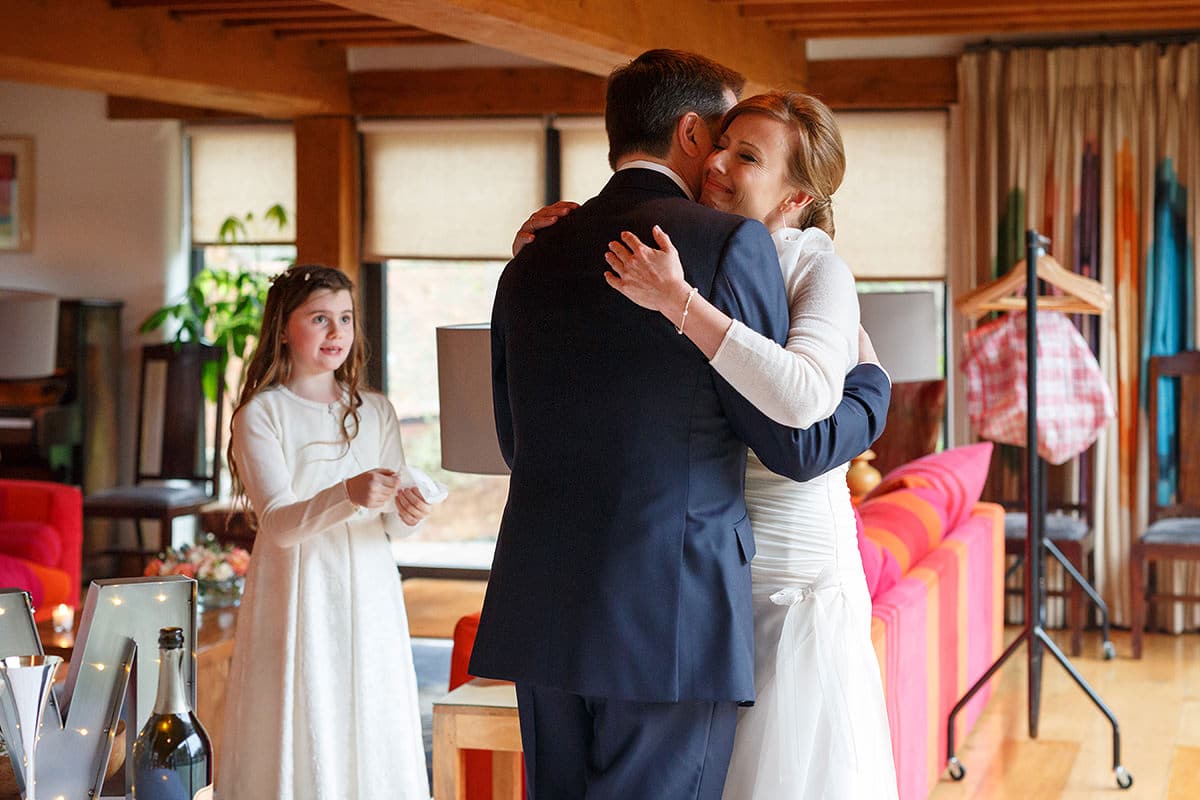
<point>29,332</point>
<point>468,424</point>
<point>906,331</point>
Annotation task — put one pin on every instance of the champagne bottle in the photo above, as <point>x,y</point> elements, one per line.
<point>172,755</point>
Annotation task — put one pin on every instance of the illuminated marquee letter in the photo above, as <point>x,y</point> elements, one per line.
<point>120,620</point>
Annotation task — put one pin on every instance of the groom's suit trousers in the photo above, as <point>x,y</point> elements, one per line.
<point>594,748</point>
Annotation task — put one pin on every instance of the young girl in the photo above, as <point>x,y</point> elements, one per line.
<point>322,698</point>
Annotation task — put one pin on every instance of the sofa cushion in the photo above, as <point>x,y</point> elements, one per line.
<point>957,474</point>
<point>907,522</point>
<point>32,541</point>
<point>56,587</point>
<point>18,574</point>
<point>879,565</point>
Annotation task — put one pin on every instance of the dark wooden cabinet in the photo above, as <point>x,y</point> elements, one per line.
<point>67,427</point>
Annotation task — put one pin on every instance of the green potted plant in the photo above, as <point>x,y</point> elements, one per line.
<point>222,307</point>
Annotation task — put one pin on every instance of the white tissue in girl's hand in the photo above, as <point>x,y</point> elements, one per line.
<point>433,491</point>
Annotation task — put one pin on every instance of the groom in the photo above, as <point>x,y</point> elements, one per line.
<point>619,599</point>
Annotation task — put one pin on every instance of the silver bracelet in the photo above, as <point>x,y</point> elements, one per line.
<point>686,306</point>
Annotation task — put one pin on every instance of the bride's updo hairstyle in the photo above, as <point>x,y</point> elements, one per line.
<point>818,160</point>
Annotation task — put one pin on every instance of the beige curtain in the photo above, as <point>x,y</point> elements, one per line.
<point>1070,140</point>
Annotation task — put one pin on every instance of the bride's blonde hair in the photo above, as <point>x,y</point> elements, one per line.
<point>817,162</point>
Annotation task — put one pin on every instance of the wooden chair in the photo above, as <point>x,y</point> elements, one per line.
<point>1173,529</point>
<point>178,459</point>
<point>1068,538</point>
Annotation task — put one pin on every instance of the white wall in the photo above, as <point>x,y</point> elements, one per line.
<point>107,221</point>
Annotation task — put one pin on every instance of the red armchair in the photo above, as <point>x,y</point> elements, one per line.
<point>41,542</point>
<point>478,762</point>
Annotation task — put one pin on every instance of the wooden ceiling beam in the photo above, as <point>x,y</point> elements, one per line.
<point>508,92</point>
<point>348,22</point>
<point>129,108</point>
<point>230,14</point>
<point>535,91</point>
<point>212,4</point>
<point>885,83</point>
<point>755,8</point>
<point>381,39</point>
<point>1047,22</point>
<point>595,37</point>
<point>142,52</point>
<point>858,6</point>
<point>853,10</point>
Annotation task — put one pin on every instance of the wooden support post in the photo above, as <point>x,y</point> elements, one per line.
<point>327,193</point>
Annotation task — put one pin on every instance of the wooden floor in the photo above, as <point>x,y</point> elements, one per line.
<point>1156,701</point>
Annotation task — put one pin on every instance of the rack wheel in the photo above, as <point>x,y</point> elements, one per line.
<point>1124,779</point>
<point>958,771</point>
<point>1110,652</point>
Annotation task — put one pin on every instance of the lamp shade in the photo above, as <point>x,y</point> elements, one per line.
<point>28,334</point>
<point>468,423</point>
<point>905,329</point>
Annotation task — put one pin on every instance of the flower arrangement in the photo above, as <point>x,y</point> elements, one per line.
<point>206,561</point>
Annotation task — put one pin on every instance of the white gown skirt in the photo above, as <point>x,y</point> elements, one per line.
<point>819,728</point>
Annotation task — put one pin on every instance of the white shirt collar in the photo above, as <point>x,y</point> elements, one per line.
<point>654,166</point>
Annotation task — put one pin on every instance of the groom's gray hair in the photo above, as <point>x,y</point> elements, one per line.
<point>647,96</point>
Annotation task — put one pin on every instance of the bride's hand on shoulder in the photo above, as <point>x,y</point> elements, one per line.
<point>652,278</point>
<point>544,217</point>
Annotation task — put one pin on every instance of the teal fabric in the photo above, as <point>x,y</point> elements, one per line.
<point>1169,313</point>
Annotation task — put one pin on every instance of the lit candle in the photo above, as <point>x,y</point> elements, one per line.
<point>64,617</point>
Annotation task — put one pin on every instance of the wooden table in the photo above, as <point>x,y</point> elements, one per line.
<point>479,715</point>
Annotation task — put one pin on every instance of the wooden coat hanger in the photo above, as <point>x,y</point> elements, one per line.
<point>1081,295</point>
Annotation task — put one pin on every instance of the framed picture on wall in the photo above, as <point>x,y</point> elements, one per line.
<point>16,193</point>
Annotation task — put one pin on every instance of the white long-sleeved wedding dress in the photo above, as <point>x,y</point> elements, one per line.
<point>819,728</point>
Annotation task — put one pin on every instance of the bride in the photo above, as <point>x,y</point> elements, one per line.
<point>819,729</point>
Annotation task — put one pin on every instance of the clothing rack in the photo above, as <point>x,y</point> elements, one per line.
<point>1033,634</point>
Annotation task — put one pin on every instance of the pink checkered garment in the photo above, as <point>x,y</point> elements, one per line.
<point>1073,400</point>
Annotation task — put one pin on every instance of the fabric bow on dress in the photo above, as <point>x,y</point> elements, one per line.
<point>811,641</point>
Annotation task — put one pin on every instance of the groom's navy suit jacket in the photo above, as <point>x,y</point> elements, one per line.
<point>622,563</point>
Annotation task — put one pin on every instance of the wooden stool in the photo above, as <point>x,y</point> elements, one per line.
<point>479,715</point>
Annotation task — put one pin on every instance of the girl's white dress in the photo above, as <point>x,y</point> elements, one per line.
<point>819,728</point>
<point>322,701</point>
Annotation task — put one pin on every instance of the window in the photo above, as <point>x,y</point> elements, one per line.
<point>585,167</point>
<point>443,202</point>
<point>421,296</point>
<point>241,171</point>
<point>891,208</point>
<point>891,213</point>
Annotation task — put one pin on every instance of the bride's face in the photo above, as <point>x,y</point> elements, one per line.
<point>747,171</point>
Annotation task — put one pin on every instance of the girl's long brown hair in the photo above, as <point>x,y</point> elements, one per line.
<point>271,364</point>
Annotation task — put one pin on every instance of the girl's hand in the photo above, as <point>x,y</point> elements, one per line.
<point>542,218</point>
<point>651,278</point>
<point>372,489</point>
<point>411,506</point>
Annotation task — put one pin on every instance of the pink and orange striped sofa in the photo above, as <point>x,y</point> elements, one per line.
<point>937,601</point>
